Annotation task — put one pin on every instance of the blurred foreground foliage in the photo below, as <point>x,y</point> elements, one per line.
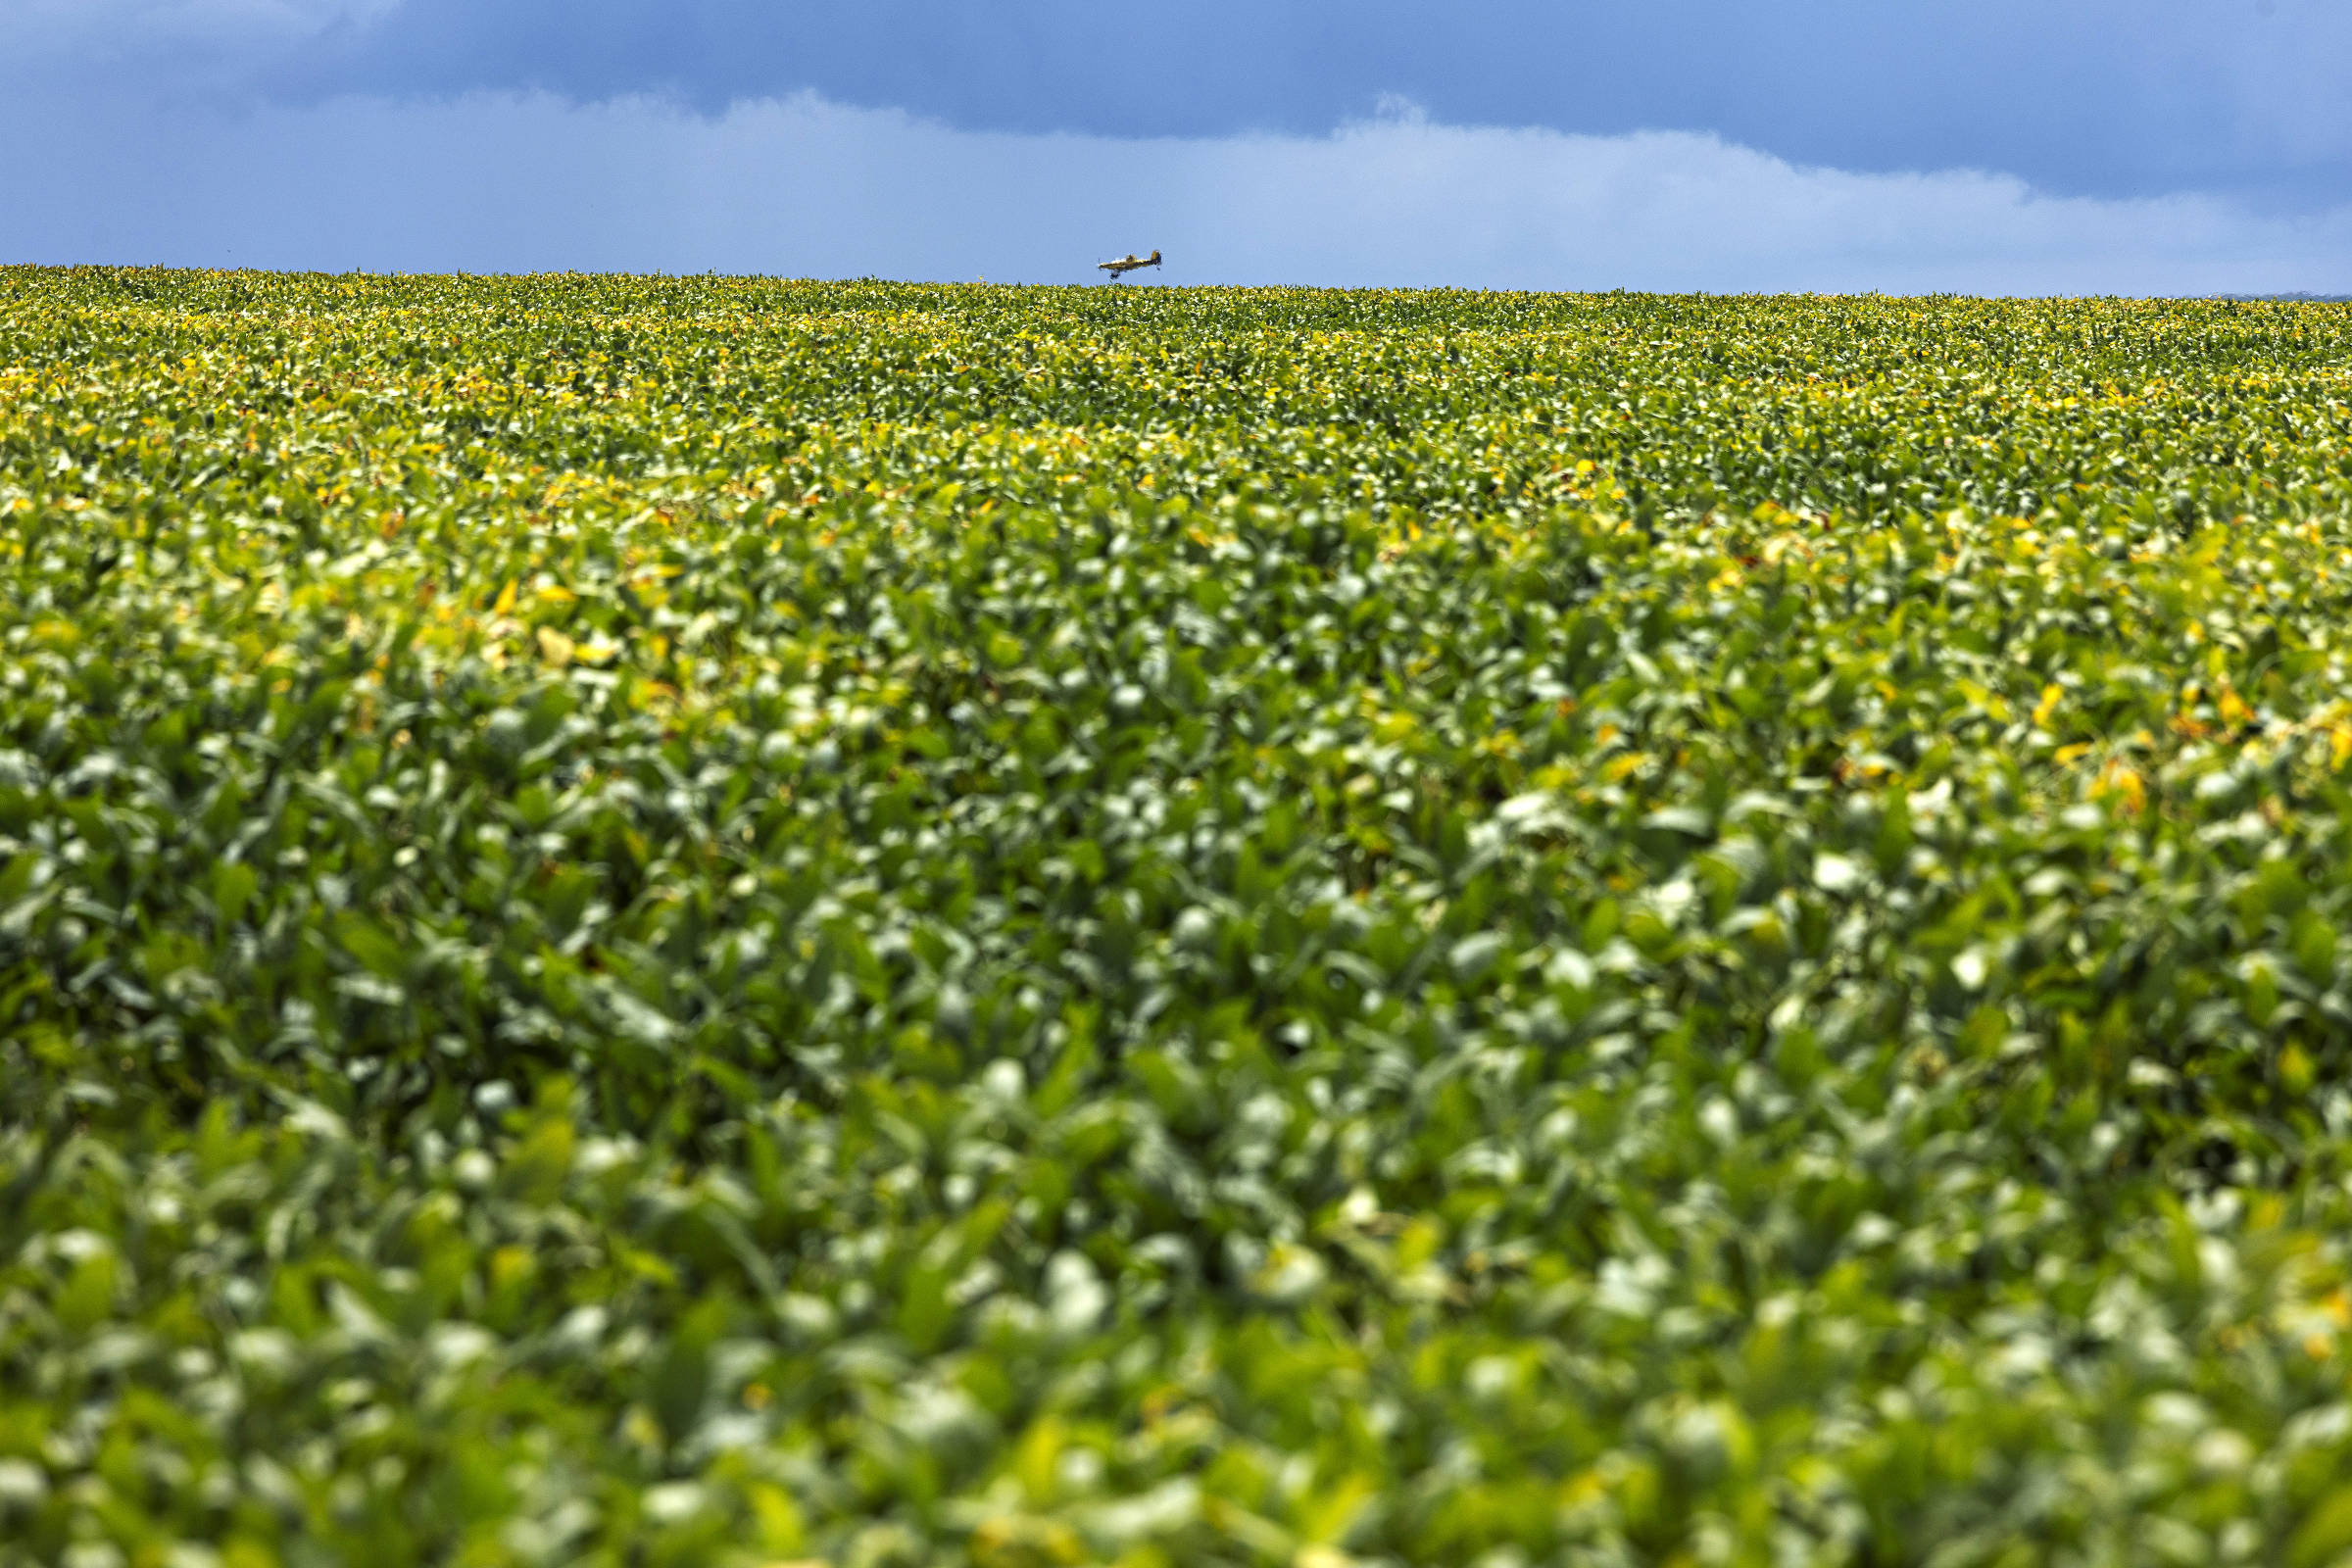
<point>666,921</point>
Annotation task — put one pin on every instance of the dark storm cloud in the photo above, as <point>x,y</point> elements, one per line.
<point>2106,97</point>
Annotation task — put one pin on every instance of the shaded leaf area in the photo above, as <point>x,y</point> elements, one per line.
<point>700,920</point>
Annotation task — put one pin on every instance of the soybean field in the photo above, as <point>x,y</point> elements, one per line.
<point>672,921</point>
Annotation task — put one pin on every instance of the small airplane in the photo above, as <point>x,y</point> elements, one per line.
<point>1127,264</point>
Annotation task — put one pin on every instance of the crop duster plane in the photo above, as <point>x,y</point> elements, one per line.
<point>1128,264</point>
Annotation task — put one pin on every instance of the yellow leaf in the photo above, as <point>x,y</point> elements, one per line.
<point>2051,695</point>
<point>555,647</point>
<point>506,599</point>
<point>2117,779</point>
<point>781,1529</point>
<point>1619,767</point>
<point>1034,1461</point>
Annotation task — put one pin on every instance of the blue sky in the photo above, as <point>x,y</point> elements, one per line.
<point>1999,145</point>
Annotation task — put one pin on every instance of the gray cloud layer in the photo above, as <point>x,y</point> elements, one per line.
<point>2092,97</point>
<point>803,186</point>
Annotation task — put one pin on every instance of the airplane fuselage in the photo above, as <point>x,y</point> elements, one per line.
<point>1127,264</point>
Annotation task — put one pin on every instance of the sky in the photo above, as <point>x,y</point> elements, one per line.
<point>1994,146</point>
